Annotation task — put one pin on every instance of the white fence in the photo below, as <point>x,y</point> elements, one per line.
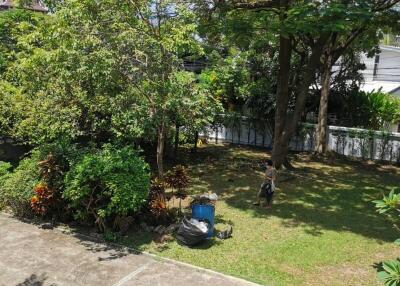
<point>351,142</point>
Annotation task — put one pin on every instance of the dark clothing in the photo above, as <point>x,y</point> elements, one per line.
<point>265,190</point>
<point>269,198</point>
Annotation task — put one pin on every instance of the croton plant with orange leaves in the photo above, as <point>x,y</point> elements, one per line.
<point>43,199</point>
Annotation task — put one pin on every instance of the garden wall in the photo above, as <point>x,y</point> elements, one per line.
<point>351,142</point>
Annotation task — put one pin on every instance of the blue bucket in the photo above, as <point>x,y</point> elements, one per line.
<point>204,212</point>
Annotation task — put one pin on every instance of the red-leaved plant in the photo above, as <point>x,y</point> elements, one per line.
<point>43,199</point>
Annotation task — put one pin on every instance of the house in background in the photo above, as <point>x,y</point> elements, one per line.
<point>383,72</point>
<point>35,5</point>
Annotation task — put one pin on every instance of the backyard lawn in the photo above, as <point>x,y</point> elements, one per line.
<point>322,230</point>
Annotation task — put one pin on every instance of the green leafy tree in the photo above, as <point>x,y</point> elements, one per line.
<point>14,23</point>
<point>107,71</point>
<point>304,30</point>
<point>193,107</point>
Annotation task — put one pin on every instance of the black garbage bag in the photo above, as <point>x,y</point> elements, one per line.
<point>192,232</point>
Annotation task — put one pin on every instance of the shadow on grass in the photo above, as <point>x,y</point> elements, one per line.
<point>322,197</point>
<point>220,219</point>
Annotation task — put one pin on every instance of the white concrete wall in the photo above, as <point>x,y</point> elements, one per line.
<point>351,142</point>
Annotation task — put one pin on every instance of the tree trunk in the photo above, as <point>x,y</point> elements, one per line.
<point>248,134</point>
<point>160,149</point>
<point>285,129</point>
<point>282,96</point>
<point>176,147</point>
<point>196,138</point>
<point>322,126</point>
<point>239,131</point>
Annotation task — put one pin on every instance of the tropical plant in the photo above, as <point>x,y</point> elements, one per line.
<point>390,275</point>
<point>390,206</point>
<point>178,179</point>
<point>43,200</point>
<point>107,183</point>
<point>368,110</point>
<point>157,202</point>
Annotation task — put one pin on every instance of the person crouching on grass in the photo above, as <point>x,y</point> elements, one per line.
<point>268,187</point>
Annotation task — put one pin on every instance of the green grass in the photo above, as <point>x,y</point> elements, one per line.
<point>322,230</point>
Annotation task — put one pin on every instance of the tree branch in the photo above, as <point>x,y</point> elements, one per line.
<point>256,5</point>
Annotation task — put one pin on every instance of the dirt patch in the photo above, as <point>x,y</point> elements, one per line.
<point>342,275</point>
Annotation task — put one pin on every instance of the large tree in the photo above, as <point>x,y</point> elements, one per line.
<point>103,71</point>
<point>362,36</point>
<point>307,28</point>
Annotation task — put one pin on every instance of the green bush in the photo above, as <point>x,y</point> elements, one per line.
<point>4,170</point>
<point>4,173</point>
<point>107,183</point>
<point>16,189</point>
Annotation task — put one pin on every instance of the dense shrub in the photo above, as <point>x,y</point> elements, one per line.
<point>4,169</point>
<point>4,173</point>
<point>107,183</point>
<point>17,188</point>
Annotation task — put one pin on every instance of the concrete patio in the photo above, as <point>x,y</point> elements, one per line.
<point>31,256</point>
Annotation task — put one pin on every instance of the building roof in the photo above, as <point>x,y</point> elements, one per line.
<point>387,77</point>
<point>35,6</point>
<point>386,86</point>
<point>390,48</point>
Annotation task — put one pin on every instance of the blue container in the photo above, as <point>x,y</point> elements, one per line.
<point>204,212</point>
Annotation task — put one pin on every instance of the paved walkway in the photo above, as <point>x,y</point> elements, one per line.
<point>30,256</point>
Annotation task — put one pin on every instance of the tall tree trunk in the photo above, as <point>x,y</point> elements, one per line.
<point>285,129</point>
<point>322,126</point>
<point>248,133</point>
<point>239,131</point>
<point>160,149</point>
<point>282,96</point>
<point>176,147</point>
